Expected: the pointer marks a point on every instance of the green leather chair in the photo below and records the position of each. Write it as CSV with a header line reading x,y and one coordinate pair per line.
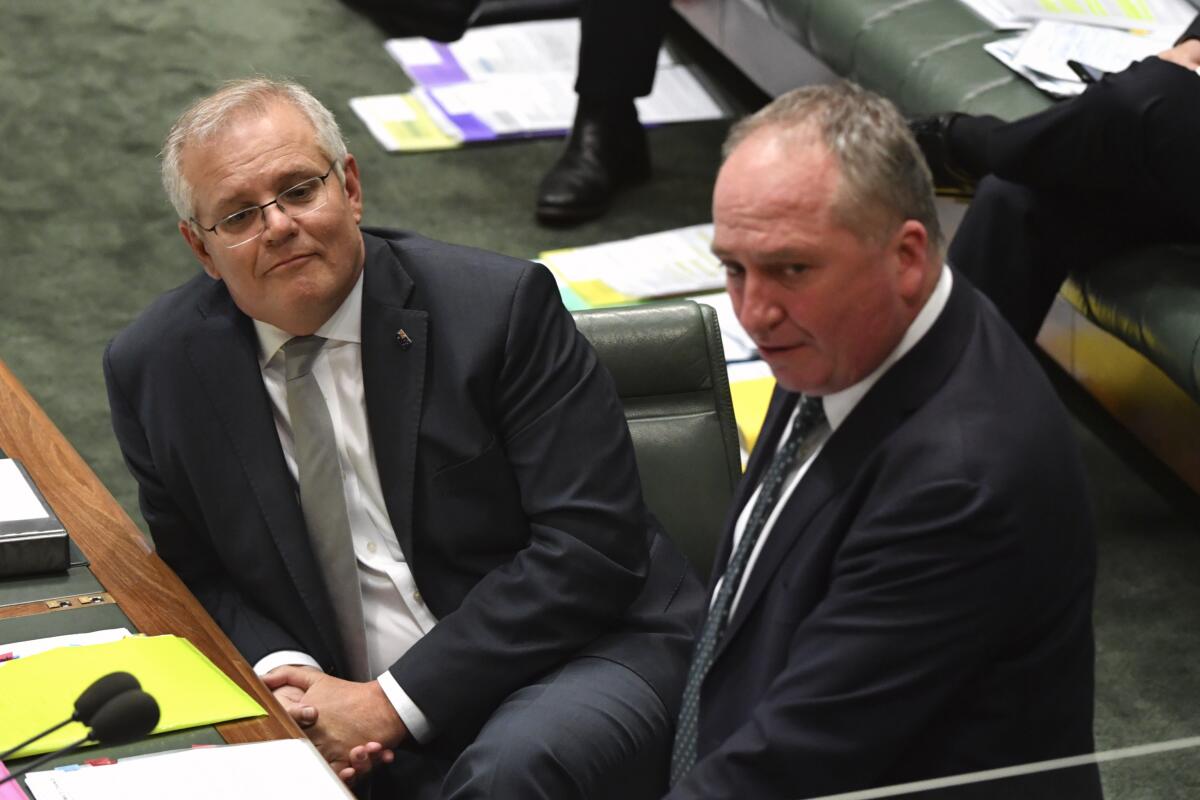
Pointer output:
x,y
667,361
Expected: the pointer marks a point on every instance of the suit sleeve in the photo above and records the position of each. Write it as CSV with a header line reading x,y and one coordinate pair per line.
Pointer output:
x,y
910,616
180,537
563,433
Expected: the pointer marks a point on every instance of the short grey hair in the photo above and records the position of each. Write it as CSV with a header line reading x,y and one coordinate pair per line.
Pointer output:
x,y
207,116
884,177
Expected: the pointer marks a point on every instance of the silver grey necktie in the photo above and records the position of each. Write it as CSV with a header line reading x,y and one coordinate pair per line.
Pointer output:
x,y
810,425
322,498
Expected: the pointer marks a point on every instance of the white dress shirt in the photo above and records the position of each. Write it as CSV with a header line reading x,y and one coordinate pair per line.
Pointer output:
x,y
394,613
838,406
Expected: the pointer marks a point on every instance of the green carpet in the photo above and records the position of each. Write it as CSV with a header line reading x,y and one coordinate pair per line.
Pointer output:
x,y
87,91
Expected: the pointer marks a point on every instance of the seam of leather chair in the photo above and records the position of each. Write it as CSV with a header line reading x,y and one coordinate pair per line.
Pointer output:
x,y
722,397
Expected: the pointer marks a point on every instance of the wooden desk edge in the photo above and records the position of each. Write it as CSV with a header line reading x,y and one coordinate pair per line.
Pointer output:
x,y
150,594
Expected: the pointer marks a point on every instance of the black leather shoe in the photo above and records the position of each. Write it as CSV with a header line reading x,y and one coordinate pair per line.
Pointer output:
x,y
607,151
949,176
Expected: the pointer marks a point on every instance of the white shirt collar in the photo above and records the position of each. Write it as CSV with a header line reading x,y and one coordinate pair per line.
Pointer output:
x,y
344,326
838,405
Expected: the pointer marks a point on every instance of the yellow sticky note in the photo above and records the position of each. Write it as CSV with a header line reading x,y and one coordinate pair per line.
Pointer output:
x,y
418,132
598,293
750,401
39,691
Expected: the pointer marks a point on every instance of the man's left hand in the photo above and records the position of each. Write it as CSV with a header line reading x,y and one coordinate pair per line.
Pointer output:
x,y
356,725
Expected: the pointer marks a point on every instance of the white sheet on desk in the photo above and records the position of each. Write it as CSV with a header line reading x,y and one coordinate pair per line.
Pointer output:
x,y
34,646
288,768
1005,51
17,500
737,344
1046,48
1164,15
997,13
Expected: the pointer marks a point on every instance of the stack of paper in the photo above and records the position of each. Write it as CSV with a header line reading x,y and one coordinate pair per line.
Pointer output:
x,y
1106,35
506,81
666,264
39,691
290,768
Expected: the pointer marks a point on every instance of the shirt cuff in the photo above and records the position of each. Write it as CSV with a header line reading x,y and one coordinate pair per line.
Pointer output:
x,y
412,717
284,658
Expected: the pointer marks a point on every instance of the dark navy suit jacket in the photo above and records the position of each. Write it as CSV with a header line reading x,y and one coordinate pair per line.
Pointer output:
x,y
922,606
504,457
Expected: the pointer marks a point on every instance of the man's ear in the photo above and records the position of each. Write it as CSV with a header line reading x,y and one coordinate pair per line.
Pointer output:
x,y
911,249
353,186
194,240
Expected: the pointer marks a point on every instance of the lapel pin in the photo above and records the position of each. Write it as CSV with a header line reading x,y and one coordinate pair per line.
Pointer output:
x,y
403,339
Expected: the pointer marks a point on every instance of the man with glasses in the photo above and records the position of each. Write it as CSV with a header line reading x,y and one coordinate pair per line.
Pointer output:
x,y
397,477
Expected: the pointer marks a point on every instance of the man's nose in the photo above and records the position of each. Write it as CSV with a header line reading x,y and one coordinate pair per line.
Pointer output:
x,y
760,310
276,223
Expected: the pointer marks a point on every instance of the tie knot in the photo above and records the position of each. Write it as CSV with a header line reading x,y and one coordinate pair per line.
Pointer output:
x,y
810,415
299,353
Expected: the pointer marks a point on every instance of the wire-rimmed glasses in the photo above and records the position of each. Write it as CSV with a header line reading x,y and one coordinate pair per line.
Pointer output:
x,y
246,225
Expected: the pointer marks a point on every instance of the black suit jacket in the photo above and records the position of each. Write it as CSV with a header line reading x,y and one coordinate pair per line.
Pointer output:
x,y
504,457
922,607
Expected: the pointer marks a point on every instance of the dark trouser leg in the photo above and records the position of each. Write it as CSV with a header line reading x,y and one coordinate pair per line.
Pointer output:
x,y
591,730
619,46
1131,137
1017,246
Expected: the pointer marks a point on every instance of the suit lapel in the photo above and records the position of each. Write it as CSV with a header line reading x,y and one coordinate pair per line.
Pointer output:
x,y
904,388
223,351
394,347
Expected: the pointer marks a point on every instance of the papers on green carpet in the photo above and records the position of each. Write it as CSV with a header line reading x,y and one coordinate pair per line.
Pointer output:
x,y
39,691
507,81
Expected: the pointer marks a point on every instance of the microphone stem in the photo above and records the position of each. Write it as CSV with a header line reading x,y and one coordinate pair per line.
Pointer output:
x,y
31,739
44,759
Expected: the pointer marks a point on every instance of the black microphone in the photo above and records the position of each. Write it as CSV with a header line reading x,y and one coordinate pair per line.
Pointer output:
x,y
93,698
125,718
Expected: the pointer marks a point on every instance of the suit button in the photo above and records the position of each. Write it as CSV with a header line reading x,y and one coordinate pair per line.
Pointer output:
x,y
371,547
417,597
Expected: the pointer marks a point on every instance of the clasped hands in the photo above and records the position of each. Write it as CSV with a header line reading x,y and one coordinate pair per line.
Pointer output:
x,y
353,725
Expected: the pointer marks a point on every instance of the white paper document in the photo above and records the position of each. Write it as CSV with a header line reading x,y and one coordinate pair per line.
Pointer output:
x,y
289,768
997,14
1155,15
491,50
32,647
669,263
737,344
17,498
525,103
1048,46
1005,51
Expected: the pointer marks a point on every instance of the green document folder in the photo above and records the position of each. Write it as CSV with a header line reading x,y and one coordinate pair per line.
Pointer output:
x,y
39,691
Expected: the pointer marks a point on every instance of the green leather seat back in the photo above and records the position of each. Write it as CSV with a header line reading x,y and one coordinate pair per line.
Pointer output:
x,y
926,55
669,368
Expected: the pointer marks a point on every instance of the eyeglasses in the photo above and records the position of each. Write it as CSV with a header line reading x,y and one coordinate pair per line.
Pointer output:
x,y
243,227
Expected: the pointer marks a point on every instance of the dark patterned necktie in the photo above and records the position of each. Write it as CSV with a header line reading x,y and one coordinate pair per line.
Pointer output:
x,y
808,430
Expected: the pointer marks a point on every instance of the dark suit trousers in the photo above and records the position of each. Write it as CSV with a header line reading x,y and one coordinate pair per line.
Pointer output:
x,y
618,51
1110,170
591,729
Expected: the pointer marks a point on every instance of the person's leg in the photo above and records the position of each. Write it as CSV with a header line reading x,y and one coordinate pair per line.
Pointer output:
x,y
590,730
607,148
1016,245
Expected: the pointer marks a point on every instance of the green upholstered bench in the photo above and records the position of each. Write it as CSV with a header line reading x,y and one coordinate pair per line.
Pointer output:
x,y
927,56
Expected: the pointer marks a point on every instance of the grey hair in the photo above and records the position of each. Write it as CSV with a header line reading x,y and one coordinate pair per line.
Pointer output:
x,y
207,116
884,177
